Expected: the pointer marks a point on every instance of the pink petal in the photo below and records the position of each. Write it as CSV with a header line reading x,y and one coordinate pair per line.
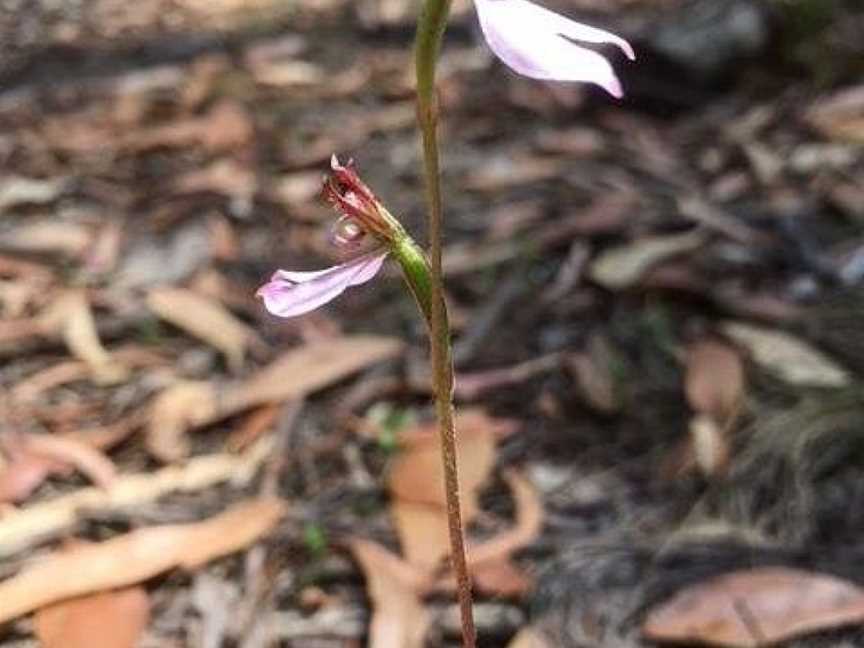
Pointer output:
x,y
531,41
290,293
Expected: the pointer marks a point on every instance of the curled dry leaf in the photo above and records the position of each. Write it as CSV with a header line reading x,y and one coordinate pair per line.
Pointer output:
x,y
21,528
98,468
791,359
205,318
491,562
114,619
714,379
179,408
71,317
755,608
295,374
395,587
622,267
32,458
416,483
135,557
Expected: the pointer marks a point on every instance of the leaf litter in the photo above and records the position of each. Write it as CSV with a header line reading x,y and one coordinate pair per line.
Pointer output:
x,y
115,182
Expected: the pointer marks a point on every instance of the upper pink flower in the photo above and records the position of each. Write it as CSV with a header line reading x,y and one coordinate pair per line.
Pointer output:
x,y
538,43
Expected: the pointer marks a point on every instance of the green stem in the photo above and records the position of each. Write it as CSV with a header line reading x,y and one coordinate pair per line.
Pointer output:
x,y
430,29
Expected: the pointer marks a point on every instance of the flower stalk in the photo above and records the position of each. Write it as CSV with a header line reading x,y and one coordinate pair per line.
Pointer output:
x,y
430,29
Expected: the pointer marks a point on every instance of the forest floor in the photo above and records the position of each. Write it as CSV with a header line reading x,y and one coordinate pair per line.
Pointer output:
x,y
657,304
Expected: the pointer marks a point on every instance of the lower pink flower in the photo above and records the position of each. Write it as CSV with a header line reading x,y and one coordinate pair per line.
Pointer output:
x,y
290,293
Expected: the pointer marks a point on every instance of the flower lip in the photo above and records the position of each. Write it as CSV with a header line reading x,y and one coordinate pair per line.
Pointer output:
x,y
291,293
542,44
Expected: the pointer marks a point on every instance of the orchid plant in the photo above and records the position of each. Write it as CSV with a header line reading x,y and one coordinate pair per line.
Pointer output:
x,y
533,42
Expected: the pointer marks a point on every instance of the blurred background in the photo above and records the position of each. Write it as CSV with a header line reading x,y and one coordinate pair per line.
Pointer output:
x,y
657,306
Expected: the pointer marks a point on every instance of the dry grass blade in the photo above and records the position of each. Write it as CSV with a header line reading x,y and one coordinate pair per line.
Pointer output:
x,y
134,557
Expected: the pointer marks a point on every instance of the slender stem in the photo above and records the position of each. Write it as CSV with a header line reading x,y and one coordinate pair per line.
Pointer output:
x,y
430,29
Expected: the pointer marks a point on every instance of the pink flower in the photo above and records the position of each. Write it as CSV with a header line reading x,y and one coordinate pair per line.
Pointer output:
x,y
539,43
289,293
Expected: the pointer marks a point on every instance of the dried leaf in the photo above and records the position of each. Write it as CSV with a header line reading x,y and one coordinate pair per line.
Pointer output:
x,y
416,483
177,409
114,619
21,528
755,608
98,468
842,115
528,637
491,562
295,374
48,237
622,267
204,318
70,316
17,190
790,358
709,445
399,619
135,557
714,381
309,368
23,475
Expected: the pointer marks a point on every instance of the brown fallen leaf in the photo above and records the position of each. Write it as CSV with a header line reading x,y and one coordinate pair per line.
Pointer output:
x,y
190,405
714,379
23,527
22,475
135,557
790,358
33,458
225,127
179,408
755,608
491,562
309,368
622,267
528,637
416,484
70,239
114,619
62,373
204,318
841,116
98,468
71,317
395,587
